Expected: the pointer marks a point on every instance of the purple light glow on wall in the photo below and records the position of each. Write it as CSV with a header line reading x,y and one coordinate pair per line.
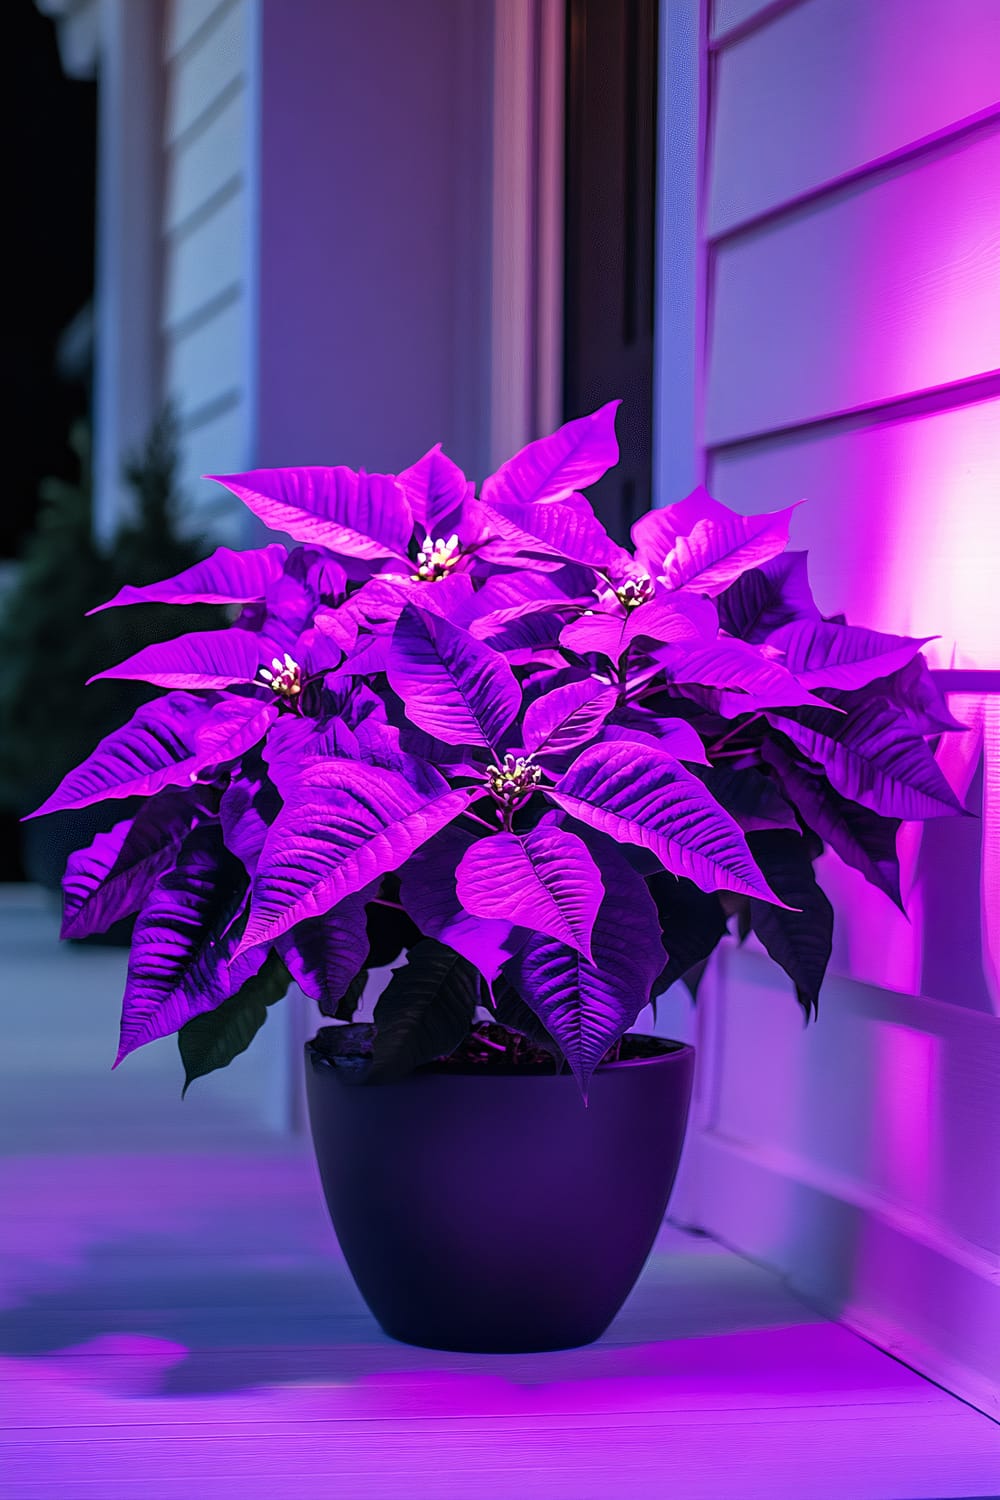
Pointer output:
x,y
906,1130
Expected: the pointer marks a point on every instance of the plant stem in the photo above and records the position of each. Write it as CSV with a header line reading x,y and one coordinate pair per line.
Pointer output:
x,y
477,819
623,676
732,733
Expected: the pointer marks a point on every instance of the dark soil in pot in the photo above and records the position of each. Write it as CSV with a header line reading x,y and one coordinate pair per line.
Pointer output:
x,y
488,1209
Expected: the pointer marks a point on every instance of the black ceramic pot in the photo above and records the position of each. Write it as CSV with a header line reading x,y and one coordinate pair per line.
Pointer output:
x,y
494,1212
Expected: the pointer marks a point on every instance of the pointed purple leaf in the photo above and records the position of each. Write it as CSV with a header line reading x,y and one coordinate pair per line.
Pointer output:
x,y
679,738
246,812
554,467
360,515
113,876
325,954
201,659
841,656
644,796
296,742
874,756
227,577
737,667
545,879
611,634
233,726
862,839
568,716
585,1007
764,598
914,690
156,748
429,895
343,824
436,490
184,941
339,625
452,685
750,797
568,584
561,532
702,546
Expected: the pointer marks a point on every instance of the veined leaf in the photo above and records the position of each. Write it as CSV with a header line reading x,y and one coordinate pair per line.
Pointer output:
x,y
737,668
342,825
183,959
692,922
646,797
554,467
353,513
798,939
156,748
324,954
202,659
563,532
873,756
841,656
765,598
452,686
585,1006
227,577
679,738
425,1011
428,892
545,880
702,546
212,1039
688,621
862,839
112,878
436,490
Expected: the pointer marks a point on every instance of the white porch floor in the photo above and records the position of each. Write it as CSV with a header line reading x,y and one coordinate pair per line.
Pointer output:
x,y
175,1320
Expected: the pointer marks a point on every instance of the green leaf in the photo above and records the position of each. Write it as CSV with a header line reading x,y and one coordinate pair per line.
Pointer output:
x,y
800,941
692,922
214,1038
425,1010
351,998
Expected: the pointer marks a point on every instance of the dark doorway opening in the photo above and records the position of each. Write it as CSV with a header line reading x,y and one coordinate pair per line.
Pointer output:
x,y
611,68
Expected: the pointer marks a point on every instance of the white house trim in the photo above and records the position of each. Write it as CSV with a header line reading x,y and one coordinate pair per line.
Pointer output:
x,y
127,375
527,238
679,324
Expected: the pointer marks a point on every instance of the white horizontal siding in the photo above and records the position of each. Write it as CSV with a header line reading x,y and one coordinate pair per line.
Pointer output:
x,y
902,521
205,228
207,71
728,15
186,18
206,363
866,297
863,1177
869,78
216,446
206,263
207,165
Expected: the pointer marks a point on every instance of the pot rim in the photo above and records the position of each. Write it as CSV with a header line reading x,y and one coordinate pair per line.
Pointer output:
x,y
430,1070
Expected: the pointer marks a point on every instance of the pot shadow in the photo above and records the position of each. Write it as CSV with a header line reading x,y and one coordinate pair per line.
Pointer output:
x,y
206,1325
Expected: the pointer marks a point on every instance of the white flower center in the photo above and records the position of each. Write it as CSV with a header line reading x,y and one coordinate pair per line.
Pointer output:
x,y
285,679
436,559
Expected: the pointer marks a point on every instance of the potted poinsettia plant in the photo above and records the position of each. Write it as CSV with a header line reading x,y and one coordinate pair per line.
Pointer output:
x,y
549,772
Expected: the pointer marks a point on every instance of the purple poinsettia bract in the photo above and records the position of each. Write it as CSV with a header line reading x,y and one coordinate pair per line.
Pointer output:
x,y
479,725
